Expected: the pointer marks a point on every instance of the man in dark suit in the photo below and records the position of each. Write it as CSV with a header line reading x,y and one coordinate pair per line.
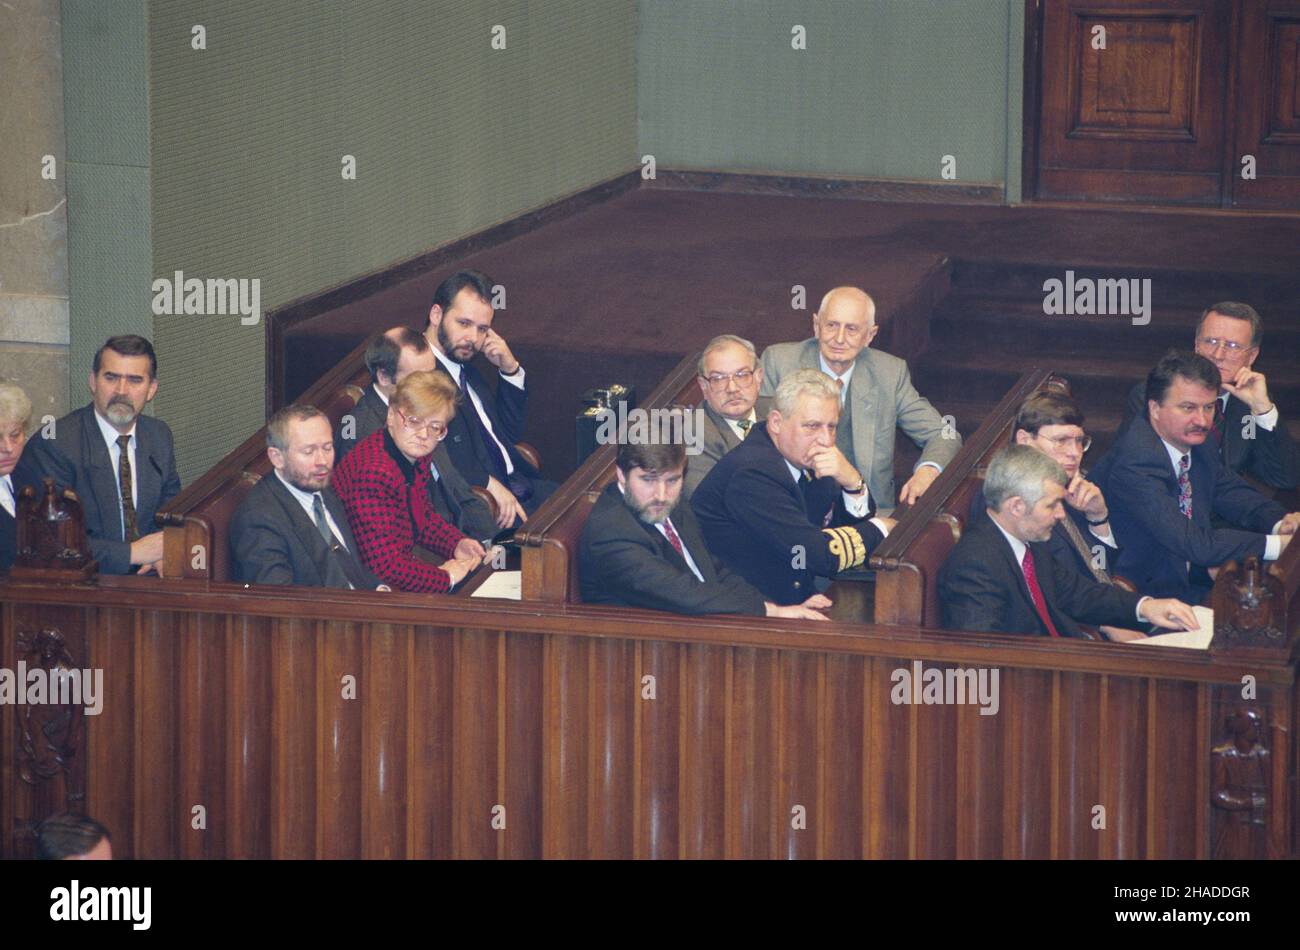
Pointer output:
x,y
1083,539
391,356
729,378
291,528
1247,433
1165,482
15,416
641,548
1002,576
118,461
484,432
785,507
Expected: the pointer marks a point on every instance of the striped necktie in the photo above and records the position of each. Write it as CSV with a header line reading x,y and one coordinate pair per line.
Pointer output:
x,y
1081,545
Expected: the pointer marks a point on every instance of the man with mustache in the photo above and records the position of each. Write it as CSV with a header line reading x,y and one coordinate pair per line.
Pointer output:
x,y
1166,482
876,396
642,548
292,528
729,379
1247,432
118,461
785,508
481,441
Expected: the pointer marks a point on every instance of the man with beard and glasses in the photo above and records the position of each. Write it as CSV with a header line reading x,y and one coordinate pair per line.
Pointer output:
x,y
481,441
1166,483
118,461
642,548
292,528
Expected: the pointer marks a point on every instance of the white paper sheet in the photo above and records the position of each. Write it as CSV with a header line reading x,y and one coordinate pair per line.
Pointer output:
x,y
507,585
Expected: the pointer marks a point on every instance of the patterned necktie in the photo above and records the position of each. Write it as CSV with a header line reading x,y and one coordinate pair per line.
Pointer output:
x,y
743,425
495,460
1184,486
1036,592
673,539
124,482
1081,545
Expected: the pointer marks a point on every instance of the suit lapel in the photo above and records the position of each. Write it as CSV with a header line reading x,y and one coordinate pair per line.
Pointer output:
x,y
103,479
148,478
862,388
726,434
1016,571
693,541
305,529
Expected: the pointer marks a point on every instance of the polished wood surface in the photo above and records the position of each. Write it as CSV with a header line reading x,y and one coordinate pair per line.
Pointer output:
x,y
763,738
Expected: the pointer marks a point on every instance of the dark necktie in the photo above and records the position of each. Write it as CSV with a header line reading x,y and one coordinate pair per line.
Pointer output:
x,y
1184,486
322,524
124,482
495,460
1036,592
1217,428
1081,545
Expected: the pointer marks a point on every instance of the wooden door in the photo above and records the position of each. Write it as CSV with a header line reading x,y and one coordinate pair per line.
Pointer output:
x,y
1267,106
1133,97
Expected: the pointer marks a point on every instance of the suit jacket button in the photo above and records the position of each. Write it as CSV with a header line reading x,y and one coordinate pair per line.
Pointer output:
x,y
796,585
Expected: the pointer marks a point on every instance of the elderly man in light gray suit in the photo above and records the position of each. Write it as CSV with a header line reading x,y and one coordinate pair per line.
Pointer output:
x,y
729,379
876,390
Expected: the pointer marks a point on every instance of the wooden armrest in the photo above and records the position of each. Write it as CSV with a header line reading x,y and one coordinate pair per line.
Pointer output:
x,y
1123,583
487,499
529,454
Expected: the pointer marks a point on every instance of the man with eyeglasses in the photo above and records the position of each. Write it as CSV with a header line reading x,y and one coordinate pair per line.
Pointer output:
x,y
729,378
291,527
1247,432
391,356
383,483
876,396
1053,424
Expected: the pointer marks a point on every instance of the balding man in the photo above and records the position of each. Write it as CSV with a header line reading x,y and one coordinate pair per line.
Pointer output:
x,y
391,356
729,378
876,393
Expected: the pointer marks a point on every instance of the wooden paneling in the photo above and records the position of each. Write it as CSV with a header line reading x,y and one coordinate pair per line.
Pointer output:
x,y
1141,119
1268,106
762,738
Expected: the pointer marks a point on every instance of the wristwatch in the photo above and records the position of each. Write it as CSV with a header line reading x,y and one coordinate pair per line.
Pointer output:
x,y
862,486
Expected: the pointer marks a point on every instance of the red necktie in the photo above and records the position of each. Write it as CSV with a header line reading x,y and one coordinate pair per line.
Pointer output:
x,y
675,541
1036,592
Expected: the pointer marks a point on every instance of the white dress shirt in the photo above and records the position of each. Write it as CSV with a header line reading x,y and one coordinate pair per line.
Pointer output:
x,y
516,380
115,457
856,505
7,499
1272,541
1018,548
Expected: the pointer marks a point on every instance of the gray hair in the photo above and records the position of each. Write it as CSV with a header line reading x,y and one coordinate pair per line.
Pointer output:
x,y
806,382
14,404
726,339
1020,470
277,428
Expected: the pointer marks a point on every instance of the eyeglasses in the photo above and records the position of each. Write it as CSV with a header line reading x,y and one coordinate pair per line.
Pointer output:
x,y
415,426
1213,343
718,381
1084,442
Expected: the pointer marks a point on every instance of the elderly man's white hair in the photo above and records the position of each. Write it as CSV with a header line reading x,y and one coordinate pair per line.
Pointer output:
x,y
806,382
856,293
14,404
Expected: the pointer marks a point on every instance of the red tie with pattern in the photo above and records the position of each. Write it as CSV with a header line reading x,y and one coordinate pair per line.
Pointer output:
x,y
1036,592
675,541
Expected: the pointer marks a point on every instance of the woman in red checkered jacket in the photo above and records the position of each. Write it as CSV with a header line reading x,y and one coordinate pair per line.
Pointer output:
x,y
384,484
